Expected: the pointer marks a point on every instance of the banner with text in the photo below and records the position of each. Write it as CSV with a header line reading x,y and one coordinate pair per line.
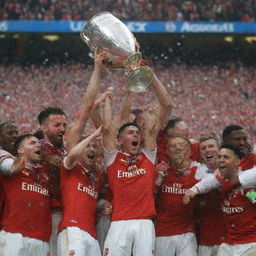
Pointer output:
x,y
134,26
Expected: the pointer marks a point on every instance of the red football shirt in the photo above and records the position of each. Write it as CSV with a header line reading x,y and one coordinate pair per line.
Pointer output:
x,y
54,173
239,216
248,162
211,223
174,217
132,182
27,207
79,192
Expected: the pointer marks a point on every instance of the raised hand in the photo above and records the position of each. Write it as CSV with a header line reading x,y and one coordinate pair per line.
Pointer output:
x,y
18,165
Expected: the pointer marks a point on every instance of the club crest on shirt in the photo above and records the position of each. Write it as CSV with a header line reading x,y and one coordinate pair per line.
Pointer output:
x,y
26,172
106,252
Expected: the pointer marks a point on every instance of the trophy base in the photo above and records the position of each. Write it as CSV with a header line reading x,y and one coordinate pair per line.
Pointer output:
x,y
140,79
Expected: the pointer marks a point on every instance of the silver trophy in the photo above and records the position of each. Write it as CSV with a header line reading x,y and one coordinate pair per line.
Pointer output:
x,y
107,33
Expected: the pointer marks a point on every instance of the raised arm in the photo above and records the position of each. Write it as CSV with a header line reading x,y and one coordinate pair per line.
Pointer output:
x,y
124,111
152,126
108,131
75,132
111,124
95,113
165,101
78,149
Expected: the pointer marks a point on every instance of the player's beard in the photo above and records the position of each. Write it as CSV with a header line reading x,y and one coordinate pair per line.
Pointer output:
x,y
56,140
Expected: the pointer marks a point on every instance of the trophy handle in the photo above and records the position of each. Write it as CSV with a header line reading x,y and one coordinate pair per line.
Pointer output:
x,y
84,38
140,79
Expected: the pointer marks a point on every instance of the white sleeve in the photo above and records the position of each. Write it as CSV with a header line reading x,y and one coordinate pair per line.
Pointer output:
x,y
202,171
68,167
248,178
151,155
206,184
109,157
5,166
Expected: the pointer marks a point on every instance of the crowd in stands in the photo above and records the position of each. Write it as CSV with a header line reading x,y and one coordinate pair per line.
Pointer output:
x,y
208,98
176,10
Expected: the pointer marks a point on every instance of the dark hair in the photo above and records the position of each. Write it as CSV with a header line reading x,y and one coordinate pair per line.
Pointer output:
x,y
136,111
6,124
229,129
172,122
39,134
234,149
43,115
122,128
19,140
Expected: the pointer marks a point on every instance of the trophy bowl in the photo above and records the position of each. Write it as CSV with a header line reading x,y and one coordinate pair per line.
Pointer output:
x,y
108,34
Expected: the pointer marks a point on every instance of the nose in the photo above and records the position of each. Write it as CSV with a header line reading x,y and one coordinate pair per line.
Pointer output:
x,y
63,128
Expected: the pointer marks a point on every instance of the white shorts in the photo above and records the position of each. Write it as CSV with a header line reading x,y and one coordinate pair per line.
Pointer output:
x,y
130,237
56,218
237,249
15,244
74,241
208,250
179,245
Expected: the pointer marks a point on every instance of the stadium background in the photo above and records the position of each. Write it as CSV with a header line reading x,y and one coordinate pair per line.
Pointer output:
x,y
209,71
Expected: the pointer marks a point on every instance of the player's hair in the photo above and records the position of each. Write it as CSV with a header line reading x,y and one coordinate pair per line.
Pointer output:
x,y
43,115
122,128
178,136
39,134
229,129
208,137
136,111
234,149
172,122
19,140
6,124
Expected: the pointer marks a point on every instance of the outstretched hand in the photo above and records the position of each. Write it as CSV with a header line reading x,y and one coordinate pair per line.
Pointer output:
x,y
188,196
104,207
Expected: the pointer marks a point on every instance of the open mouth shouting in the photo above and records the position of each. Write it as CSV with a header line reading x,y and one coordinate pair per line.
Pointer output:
x,y
135,143
91,156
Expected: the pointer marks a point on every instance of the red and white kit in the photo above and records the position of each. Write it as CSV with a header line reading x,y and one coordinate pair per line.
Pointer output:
x,y
175,222
132,182
79,191
240,222
26,208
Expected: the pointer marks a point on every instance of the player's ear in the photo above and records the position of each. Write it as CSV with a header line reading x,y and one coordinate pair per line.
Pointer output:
x,y
20,151
118,141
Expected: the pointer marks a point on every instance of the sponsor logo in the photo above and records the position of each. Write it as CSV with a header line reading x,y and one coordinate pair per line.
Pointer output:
x,y
137,26
170,26
106,252
207,27
230,210
76,26
4,26
35,188
88,190
131,172
175,189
